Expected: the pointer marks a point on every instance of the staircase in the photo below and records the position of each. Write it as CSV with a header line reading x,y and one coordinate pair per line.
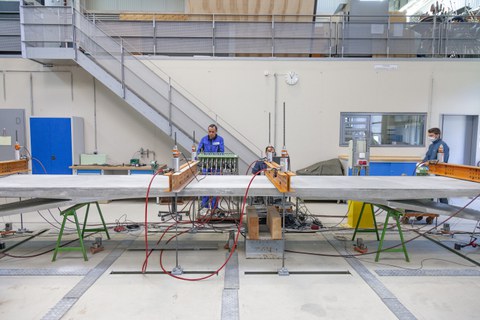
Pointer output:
x,y
51,34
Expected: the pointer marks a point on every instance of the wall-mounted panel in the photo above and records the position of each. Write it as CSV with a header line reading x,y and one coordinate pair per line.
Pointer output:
x,y
12,124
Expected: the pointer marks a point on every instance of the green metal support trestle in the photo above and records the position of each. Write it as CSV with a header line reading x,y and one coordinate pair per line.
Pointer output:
x,y
72,212
397,215
375,229
95,229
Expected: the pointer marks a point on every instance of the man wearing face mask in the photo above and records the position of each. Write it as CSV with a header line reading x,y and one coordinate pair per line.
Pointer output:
x,y
260,165
437,145
435,150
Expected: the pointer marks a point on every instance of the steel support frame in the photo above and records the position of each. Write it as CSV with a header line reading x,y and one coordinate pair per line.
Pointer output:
x,y
72,212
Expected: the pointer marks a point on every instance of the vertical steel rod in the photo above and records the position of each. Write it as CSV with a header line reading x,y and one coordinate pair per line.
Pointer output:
x,y
175,213
170,106
284,125
269,129
284,199
122,50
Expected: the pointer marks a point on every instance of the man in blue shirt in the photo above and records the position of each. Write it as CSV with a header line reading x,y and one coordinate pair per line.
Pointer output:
x,y
212,142
432,153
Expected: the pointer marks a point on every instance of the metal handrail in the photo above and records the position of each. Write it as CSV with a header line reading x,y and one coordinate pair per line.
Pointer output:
x,y
184,91
176,85
336,41
114,58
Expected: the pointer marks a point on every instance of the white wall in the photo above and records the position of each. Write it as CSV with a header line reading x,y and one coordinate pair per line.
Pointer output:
x,y
239,92
69,91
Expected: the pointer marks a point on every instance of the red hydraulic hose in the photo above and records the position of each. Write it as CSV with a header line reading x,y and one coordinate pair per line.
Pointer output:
x,y
231,251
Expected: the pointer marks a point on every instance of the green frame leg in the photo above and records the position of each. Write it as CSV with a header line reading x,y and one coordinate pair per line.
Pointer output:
x,y
397,216
105,229
72,211
360,219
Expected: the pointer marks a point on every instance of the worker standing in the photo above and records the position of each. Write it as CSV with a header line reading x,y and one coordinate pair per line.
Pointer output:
x,y
438,149
212,142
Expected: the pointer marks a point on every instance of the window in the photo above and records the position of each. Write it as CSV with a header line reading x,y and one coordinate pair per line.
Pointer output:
x,y
384,129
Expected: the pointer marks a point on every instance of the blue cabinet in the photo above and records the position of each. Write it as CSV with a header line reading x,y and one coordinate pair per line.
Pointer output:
x,y
56,144
390,169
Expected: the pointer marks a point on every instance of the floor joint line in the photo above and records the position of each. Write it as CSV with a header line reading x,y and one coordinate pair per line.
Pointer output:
x,y
387,297
71,297
230,304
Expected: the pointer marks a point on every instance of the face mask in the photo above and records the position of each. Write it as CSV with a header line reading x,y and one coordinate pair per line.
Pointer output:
x,y
431,138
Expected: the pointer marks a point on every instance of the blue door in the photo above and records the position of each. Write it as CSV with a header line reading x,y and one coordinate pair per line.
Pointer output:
x,y
51,141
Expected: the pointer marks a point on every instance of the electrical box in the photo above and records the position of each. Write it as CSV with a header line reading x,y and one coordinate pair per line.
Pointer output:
x,y
218,163
93,159
12,130
358,153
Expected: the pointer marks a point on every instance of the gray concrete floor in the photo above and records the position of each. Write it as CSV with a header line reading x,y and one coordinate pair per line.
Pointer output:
x,y
311,295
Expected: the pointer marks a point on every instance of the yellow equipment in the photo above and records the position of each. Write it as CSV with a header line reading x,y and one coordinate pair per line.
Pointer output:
x,y
354,208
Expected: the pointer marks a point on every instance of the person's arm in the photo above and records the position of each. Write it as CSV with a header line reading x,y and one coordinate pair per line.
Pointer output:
x,y
428,154
200,146
446,152
221,146
256,167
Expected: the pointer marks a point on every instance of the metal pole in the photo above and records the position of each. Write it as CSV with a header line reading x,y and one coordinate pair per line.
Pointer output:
x,y
269,129
154,35
275,114
273,36
170,105
95,129
31,96
388,37
22,229
213,35
433,34
446,39
178,269
283,271
284,125
74,35
330,28
123,68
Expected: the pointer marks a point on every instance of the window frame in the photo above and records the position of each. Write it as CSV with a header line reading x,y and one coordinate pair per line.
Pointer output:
x,y
369,123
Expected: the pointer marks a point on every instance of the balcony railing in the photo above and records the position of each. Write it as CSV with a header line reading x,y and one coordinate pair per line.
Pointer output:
x,y
287,36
